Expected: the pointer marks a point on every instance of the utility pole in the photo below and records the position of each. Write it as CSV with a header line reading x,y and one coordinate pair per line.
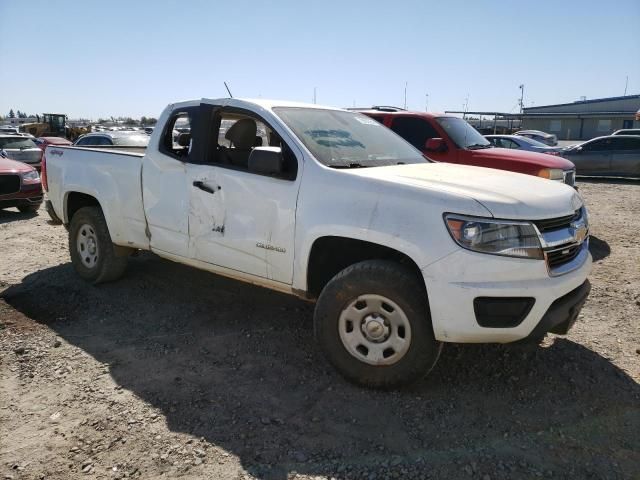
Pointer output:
x,y
405,95
426,102
314,94
521,87
626,84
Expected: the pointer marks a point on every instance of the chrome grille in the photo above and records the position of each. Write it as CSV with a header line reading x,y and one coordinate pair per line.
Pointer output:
x,y
9,184
557,223
562,255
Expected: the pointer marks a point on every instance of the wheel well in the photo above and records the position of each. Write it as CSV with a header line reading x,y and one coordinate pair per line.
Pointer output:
x,y
330,255
77,200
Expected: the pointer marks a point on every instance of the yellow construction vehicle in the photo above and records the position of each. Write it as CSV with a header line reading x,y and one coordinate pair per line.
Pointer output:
x,y
53,125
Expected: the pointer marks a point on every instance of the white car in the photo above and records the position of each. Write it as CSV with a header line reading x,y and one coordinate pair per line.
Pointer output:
x,y
400,254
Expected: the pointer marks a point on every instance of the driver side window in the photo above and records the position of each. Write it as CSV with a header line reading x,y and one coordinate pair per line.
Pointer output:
x,y
238,134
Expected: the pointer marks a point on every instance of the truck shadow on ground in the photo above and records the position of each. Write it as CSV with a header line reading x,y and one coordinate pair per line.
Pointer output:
x,y
14,215
599,248
238,366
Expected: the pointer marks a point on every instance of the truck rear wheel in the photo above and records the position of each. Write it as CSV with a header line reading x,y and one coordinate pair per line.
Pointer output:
x,y
93,254
372,322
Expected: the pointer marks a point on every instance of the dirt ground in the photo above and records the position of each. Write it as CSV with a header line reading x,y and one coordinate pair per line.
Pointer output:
x,y
176,373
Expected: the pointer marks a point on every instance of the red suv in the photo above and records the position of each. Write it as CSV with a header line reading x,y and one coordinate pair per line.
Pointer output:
x,y
445,138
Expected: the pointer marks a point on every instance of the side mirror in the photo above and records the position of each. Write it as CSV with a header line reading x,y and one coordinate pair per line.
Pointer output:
x,y
435,145
266,160
578,149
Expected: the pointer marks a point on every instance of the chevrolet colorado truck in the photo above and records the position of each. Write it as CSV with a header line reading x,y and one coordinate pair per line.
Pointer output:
x,y
446,138
400,254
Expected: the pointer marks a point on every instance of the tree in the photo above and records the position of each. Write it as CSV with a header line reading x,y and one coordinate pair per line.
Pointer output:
x,y
11,114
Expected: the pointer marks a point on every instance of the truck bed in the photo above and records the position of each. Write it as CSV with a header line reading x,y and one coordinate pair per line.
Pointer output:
x,y
112,175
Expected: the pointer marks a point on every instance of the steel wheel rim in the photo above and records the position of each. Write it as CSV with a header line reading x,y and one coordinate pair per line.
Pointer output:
x,y
375,330
87,245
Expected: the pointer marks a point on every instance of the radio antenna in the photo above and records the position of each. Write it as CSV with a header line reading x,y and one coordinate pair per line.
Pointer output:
x,y
227,87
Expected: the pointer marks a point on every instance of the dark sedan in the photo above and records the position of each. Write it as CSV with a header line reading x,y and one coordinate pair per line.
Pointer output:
x,y
612,156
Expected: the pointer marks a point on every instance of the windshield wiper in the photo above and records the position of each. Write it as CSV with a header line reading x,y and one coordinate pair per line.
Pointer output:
x,y
478,146
349,165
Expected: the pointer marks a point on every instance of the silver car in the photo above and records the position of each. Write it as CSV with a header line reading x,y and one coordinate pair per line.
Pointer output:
x,y
611,156
627,131
113,139
22,149
546,138
521,143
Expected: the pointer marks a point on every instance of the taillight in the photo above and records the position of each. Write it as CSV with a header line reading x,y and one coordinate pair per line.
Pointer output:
x,y
43,171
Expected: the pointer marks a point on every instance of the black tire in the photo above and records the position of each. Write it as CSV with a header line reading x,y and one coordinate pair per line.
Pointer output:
x,y
29,208
394,282
108,266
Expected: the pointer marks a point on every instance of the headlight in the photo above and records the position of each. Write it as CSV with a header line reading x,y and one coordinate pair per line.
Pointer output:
x,y
30,178
551,173
497,237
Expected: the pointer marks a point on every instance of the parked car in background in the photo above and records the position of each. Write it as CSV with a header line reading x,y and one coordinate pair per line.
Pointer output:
x,y
21,148
43,142
521,143
610,156
8,129
543,137
627,131
445,138
114,139
19,185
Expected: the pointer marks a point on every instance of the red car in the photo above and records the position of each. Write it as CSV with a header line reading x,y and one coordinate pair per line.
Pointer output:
x,y
19,186
43,142
445,138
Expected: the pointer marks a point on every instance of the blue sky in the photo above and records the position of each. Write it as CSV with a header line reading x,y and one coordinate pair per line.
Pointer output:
x,y
100,58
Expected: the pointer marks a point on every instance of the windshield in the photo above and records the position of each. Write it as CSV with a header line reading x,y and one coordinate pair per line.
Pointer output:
x,y
132,140
342,139
532,142
17,142
462,134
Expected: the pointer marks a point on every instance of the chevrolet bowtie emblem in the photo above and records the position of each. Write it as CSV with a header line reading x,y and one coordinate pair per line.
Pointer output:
x,y
579,231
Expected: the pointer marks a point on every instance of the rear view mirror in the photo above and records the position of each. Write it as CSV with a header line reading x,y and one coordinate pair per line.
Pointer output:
x,y
266,160
435,145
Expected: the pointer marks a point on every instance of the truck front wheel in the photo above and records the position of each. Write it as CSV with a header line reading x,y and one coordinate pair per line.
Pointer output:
x,y
372,322
93,254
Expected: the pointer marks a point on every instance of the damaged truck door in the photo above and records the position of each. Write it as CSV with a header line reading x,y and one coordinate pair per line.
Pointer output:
x,y
242,218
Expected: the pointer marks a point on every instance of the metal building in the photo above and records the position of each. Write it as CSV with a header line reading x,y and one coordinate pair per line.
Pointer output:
x,y
584,119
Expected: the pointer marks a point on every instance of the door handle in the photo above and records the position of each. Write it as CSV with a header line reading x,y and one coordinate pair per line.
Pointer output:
x,y
202,186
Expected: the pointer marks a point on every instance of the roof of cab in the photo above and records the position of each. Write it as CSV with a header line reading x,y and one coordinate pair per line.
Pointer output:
x,y
264,103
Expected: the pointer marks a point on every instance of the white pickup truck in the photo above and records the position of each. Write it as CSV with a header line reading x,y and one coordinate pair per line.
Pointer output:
x,y
401,254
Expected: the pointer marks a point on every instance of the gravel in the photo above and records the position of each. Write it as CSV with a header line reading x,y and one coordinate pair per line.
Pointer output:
x,y
176,373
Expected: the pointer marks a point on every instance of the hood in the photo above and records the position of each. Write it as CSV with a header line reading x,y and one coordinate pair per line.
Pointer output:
x,y
506,195
11,166
540,160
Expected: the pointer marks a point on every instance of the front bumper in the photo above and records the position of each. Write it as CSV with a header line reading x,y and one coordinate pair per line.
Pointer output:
x,y
30,196
454,282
